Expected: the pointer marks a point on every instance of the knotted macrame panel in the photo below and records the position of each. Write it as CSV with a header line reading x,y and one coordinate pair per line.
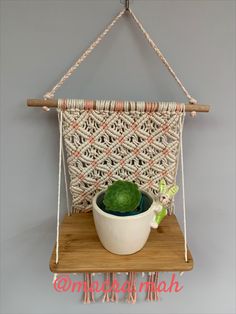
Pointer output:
x,y
108,140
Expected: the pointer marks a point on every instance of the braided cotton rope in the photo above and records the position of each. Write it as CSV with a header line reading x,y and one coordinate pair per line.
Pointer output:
x,y
83,56
60,117
183,193
64,171
163,59
61,160
51,93
66,180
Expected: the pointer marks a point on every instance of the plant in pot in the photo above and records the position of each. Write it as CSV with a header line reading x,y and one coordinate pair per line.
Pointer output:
x,y
123,216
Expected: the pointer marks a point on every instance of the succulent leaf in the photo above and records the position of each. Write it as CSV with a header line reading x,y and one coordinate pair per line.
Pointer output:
x,y
122,196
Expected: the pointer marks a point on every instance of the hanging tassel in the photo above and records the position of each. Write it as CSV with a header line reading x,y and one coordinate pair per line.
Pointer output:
x,y
152,294
150,286
132,294
106,297
129,296
156,277
88,289
91,287
148,297
114,294
134,290
86,292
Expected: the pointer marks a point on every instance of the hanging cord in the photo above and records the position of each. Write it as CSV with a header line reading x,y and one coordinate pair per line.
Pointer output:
x,y
83,56
64,172
61,160
183,189
163,59
51,93
66,180
59,185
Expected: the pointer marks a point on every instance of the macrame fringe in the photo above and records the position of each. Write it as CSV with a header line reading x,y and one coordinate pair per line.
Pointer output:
x,y
152,294
107,286
88,289
111,284
132,291
114,293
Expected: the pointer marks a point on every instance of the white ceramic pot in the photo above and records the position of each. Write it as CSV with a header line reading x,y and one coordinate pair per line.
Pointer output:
x,y
123,235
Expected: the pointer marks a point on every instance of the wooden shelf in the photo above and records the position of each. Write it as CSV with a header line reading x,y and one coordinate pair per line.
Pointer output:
x,y
81,251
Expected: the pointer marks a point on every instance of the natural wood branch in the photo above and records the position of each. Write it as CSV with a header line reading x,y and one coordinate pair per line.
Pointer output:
x,y
52,103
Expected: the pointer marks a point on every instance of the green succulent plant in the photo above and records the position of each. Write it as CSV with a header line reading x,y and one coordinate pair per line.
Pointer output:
x,y
122,196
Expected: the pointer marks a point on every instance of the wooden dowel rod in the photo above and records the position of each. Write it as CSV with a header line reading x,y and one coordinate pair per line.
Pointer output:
x,y
52,103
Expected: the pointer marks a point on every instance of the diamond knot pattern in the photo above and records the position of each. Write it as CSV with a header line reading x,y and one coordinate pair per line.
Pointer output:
x,y
104,145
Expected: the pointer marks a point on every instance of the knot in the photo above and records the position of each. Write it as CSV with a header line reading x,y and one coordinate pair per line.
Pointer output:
x,y
45,108
192,100
48,96
193,114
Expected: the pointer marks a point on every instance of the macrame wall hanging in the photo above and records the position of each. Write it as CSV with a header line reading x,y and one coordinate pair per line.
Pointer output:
x,y
106,141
